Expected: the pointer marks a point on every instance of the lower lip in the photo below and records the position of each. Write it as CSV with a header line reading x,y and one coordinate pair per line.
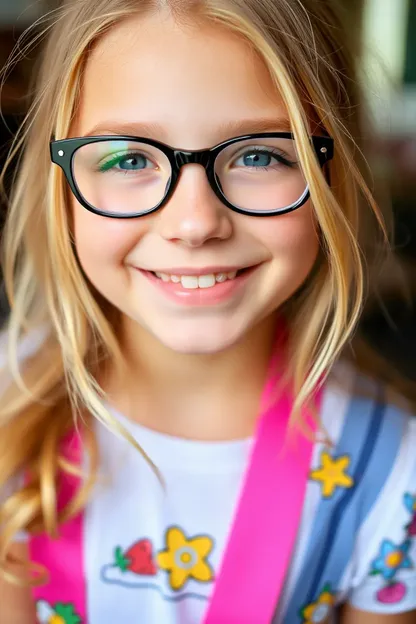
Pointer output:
x,y
220,293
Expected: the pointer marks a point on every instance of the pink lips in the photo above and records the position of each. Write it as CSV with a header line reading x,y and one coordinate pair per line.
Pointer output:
x,y
215,295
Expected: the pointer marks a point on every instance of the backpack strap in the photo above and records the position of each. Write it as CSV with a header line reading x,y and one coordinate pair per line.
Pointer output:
x,y
65,591
258,553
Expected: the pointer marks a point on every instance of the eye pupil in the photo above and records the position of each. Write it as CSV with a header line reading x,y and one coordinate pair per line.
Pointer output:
x,y
257,159
131,162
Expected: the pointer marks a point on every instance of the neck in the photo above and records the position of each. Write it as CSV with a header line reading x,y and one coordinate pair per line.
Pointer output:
x,y
208,396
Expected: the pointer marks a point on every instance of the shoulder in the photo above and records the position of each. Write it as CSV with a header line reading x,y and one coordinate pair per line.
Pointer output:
x,y
371,437
14,353
355,405
374,440
25,348
26,345
7,490
375,430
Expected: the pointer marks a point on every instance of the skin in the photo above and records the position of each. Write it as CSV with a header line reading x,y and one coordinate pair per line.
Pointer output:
x,y
193,91
16,604
191,85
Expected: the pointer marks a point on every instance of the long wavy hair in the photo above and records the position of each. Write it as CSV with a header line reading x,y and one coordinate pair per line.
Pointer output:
x,y
305,47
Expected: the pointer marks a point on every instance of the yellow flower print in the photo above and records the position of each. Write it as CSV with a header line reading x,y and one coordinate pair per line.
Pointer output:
x,y
331,474
320,610
185,558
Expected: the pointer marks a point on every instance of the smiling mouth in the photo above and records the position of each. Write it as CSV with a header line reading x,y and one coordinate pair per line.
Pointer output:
x,y
192,282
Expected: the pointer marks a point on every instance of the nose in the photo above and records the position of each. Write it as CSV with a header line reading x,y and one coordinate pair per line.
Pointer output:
x,y
194,215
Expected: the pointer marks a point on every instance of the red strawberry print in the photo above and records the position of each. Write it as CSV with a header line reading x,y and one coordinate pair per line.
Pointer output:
x,y
137,559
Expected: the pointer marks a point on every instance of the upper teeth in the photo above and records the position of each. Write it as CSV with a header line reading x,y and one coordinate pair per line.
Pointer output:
x,y
197,281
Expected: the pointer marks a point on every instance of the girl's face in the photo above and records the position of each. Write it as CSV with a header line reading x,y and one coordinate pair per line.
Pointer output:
x,y
191,89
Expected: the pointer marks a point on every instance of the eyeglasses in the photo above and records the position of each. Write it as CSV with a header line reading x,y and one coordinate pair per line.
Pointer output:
x,y
125,177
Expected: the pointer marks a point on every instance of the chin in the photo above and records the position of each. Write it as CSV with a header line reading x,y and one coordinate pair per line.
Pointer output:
x,y
197,342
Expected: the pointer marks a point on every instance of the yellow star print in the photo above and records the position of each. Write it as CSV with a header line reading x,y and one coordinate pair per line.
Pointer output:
x,y
331,474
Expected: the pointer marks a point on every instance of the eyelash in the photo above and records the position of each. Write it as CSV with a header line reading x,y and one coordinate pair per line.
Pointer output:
x,y
109,164
269,151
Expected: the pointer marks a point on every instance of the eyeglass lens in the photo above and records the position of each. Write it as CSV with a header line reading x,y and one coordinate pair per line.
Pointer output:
x,y
130,177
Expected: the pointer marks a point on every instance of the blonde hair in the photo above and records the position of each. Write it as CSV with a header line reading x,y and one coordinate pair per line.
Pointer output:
x,y
302,43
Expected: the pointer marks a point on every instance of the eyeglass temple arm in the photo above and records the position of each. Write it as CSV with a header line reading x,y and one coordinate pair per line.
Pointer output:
x,y
327,172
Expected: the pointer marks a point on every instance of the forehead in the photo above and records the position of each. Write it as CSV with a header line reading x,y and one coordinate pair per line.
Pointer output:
x,y
187,81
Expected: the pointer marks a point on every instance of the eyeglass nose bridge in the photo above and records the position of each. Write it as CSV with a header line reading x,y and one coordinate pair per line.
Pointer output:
x,y
200,157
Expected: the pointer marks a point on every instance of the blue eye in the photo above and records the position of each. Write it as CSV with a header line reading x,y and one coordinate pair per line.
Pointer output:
x,y
261,158
133,162
256,159
125,162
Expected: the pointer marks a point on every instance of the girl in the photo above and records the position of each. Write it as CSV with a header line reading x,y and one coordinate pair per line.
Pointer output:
x,y
184,255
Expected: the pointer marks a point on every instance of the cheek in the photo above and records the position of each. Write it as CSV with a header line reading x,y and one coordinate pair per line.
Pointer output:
x,y
101,242
292,238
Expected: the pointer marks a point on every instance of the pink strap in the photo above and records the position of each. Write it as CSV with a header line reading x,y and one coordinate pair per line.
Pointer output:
x,y
65,552
258,552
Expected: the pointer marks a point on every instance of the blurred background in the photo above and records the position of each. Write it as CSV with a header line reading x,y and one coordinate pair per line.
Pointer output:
x,y
385,35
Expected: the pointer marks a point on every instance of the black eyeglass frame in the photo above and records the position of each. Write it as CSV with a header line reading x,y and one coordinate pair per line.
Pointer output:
x,y
63,152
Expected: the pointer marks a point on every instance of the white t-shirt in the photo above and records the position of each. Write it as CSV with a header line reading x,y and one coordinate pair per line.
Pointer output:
x,y
151,555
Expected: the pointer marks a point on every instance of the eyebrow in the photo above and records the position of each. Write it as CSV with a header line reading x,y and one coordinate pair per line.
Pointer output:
x,y
223,131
